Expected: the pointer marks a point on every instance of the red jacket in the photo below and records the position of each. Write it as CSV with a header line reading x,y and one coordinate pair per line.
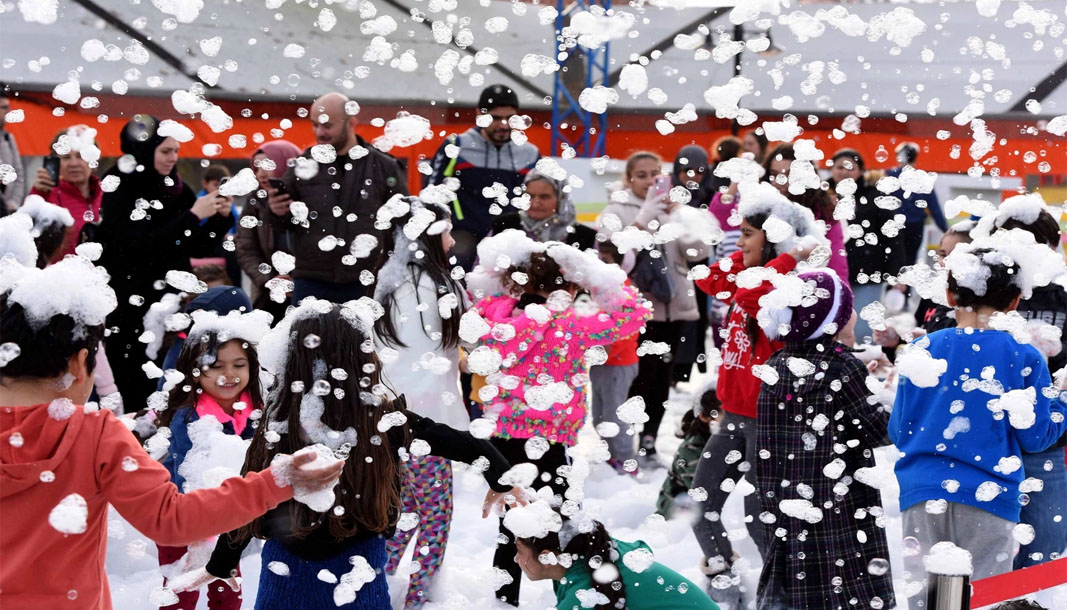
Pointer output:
x,y
96,457
67,196
737,387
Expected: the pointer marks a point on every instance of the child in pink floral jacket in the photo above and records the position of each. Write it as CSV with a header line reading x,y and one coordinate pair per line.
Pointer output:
x,y
533,340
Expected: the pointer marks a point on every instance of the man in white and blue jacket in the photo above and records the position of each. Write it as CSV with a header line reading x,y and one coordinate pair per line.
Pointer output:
x,y
480,157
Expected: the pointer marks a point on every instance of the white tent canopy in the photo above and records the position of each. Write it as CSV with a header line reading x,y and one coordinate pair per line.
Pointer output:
x,y
384,51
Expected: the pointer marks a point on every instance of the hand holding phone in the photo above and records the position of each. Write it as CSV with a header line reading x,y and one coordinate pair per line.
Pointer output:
x,y
279,199
661,184
51,165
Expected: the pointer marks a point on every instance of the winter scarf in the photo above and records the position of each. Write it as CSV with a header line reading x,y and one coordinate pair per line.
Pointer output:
x,y
553,228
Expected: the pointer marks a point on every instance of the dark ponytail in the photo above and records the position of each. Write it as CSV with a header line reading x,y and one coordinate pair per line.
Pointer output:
x,y
596,549
767,254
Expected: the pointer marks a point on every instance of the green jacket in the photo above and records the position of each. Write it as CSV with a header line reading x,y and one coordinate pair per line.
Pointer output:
x,y
656,588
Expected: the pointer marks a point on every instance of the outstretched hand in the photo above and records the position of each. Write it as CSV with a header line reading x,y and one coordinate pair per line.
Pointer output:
x,y
197,579
494,499
313,477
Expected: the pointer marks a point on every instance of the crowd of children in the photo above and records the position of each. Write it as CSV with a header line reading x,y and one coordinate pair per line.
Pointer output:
x,y
330,431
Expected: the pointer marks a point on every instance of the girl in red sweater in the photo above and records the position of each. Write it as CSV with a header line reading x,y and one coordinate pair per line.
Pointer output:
x,y
62,463
775,235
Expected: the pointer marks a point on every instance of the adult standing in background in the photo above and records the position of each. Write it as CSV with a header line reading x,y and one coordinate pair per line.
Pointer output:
x,y
915,206
692,171
78,190
873,256
341,197
551,215
258,241
479,157
756,143
152,224
11,194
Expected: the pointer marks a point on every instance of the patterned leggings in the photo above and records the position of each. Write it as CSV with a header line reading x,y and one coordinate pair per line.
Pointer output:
x,y
427,492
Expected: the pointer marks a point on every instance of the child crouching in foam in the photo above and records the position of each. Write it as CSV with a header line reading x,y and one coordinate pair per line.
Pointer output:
x,y
590,569
62,464
817,423
971,399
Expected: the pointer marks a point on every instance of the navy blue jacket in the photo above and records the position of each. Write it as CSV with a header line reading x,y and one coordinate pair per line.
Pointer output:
x,y
180,443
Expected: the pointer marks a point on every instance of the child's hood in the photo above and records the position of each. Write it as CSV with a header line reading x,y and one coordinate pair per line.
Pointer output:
x,y
34,440
529,331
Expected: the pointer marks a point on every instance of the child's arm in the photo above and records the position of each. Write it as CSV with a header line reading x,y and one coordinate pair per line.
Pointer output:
x,y
610,325
748,298
719,281
140,489
451,444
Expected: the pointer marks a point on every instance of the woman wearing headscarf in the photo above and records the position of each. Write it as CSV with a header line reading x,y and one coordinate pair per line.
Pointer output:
x,y
151,225
551,215
256,243
691,170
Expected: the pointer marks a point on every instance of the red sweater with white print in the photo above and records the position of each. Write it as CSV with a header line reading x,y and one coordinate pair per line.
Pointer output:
x,y
737,387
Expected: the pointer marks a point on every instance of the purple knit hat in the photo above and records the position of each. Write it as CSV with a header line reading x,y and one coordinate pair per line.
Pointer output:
x,y
823,310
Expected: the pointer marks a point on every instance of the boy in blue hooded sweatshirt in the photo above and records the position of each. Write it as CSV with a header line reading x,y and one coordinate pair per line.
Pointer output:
x,y
961,432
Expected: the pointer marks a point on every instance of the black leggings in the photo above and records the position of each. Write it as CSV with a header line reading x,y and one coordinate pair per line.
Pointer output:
x,y
514,449
655,373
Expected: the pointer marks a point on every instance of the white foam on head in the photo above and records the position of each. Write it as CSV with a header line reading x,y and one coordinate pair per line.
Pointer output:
x,y
763,199
1038,264
44,214
16,239
250,327
85,297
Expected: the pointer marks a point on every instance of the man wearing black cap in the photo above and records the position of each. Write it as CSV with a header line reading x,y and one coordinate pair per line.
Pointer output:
x,y
482,156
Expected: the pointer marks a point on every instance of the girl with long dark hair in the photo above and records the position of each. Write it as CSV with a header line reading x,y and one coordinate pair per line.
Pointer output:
x,y
423,305
328,392
777,169
776,234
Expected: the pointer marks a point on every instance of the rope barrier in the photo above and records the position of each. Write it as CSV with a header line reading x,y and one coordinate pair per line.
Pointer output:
x,y
1018,583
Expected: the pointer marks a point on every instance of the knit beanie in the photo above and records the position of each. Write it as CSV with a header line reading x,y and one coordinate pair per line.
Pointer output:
x,y
823,308
497,96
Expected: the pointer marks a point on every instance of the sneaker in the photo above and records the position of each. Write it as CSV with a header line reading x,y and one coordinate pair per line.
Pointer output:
x,y
722,586
649,461
629,467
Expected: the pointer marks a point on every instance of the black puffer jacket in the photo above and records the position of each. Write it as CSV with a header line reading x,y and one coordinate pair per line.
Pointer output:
x,y
869,250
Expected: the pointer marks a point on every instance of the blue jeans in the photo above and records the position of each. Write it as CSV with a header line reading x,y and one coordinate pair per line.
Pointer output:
x,y
1045,505
334,293
863,295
